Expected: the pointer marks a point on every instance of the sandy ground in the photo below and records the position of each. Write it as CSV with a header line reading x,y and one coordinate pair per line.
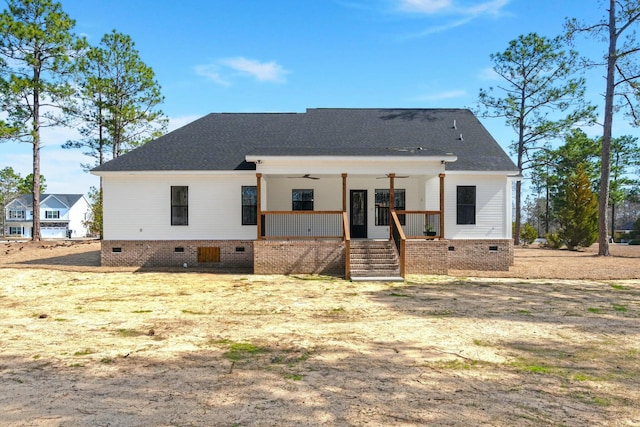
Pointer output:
x,y
555,341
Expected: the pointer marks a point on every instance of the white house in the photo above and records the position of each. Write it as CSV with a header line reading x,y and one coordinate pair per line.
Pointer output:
x,y
359,192
60,214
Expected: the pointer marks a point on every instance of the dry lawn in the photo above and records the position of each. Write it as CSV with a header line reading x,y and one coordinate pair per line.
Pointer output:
x,y
558,343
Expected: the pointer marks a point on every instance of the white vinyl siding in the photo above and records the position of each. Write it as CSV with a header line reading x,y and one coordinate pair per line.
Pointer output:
x,y
138,207
78,214
491,207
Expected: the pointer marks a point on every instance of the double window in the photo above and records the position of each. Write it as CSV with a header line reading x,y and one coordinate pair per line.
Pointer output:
x,y
382,205
302,200
466,204
52,214
15,214
249,205
179,205
15,231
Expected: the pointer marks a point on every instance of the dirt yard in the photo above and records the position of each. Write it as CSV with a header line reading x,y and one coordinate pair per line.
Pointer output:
x,y
554,341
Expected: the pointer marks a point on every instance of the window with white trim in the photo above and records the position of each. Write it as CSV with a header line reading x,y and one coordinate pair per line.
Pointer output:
x,y
52,214
16,214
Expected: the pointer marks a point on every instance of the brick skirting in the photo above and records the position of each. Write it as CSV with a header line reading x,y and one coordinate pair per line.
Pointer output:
x,y
483,255
305,256
426,256
234,254
299,257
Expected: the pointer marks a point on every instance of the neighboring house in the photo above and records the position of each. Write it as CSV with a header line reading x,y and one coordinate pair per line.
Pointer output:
x,y
355,192
624,233
60,214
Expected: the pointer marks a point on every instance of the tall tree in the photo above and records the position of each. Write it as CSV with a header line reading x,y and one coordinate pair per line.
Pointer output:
x,y
26,185
120,99
539,97
35,43
579,215
617,29
94,222
552,168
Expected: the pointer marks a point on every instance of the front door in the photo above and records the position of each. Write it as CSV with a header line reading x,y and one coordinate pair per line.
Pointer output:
x,y
358,223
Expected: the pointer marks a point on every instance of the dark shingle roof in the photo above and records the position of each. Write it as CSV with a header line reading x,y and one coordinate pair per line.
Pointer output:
x,y
221,141
67,199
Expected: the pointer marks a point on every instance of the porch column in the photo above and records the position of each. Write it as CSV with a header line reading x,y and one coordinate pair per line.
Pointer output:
x,y
392,202
344,192
441,205
259,204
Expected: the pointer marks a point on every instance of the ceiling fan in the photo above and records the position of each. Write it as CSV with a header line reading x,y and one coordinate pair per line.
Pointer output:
x,y
397,176
307,176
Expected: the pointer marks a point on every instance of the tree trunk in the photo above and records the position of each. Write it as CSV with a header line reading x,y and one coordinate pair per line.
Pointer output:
x,y
516,238
35,234
603,237
613,220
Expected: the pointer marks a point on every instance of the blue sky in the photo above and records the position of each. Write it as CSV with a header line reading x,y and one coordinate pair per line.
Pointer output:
x,y
289,55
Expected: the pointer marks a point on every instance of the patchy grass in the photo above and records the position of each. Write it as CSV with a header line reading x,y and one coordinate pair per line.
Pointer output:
x,y
620,308
435,350
129,333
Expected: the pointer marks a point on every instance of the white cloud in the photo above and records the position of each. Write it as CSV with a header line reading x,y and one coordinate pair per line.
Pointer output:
x,y
212,71
262,71
424,6
222,71
456,7
462,11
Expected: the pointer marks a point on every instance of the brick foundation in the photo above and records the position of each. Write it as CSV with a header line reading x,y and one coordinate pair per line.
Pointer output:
x,y
480,255
299,257
234,254
426,256
305,256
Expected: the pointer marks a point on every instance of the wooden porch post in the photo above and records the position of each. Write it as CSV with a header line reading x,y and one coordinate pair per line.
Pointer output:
x,y
259,204
344,192
441,205
392,202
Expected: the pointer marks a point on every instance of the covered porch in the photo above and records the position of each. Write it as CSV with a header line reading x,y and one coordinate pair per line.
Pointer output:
x,y
311,220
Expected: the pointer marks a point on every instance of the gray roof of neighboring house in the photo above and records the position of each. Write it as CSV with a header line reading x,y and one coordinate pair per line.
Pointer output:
x,y
221,141
67,199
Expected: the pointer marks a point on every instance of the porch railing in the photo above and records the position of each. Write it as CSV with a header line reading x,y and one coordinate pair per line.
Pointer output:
x,y
421,224
347,246
302,225
399,239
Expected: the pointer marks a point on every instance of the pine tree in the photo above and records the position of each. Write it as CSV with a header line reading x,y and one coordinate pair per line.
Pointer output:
x,y
36,44
579,216
538,97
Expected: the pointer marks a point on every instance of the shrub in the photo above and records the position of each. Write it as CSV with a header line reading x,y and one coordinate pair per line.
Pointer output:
x,y
634,242
528,233
554,241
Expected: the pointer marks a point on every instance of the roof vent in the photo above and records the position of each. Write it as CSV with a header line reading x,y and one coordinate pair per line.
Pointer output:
x,y
454,124
461,138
